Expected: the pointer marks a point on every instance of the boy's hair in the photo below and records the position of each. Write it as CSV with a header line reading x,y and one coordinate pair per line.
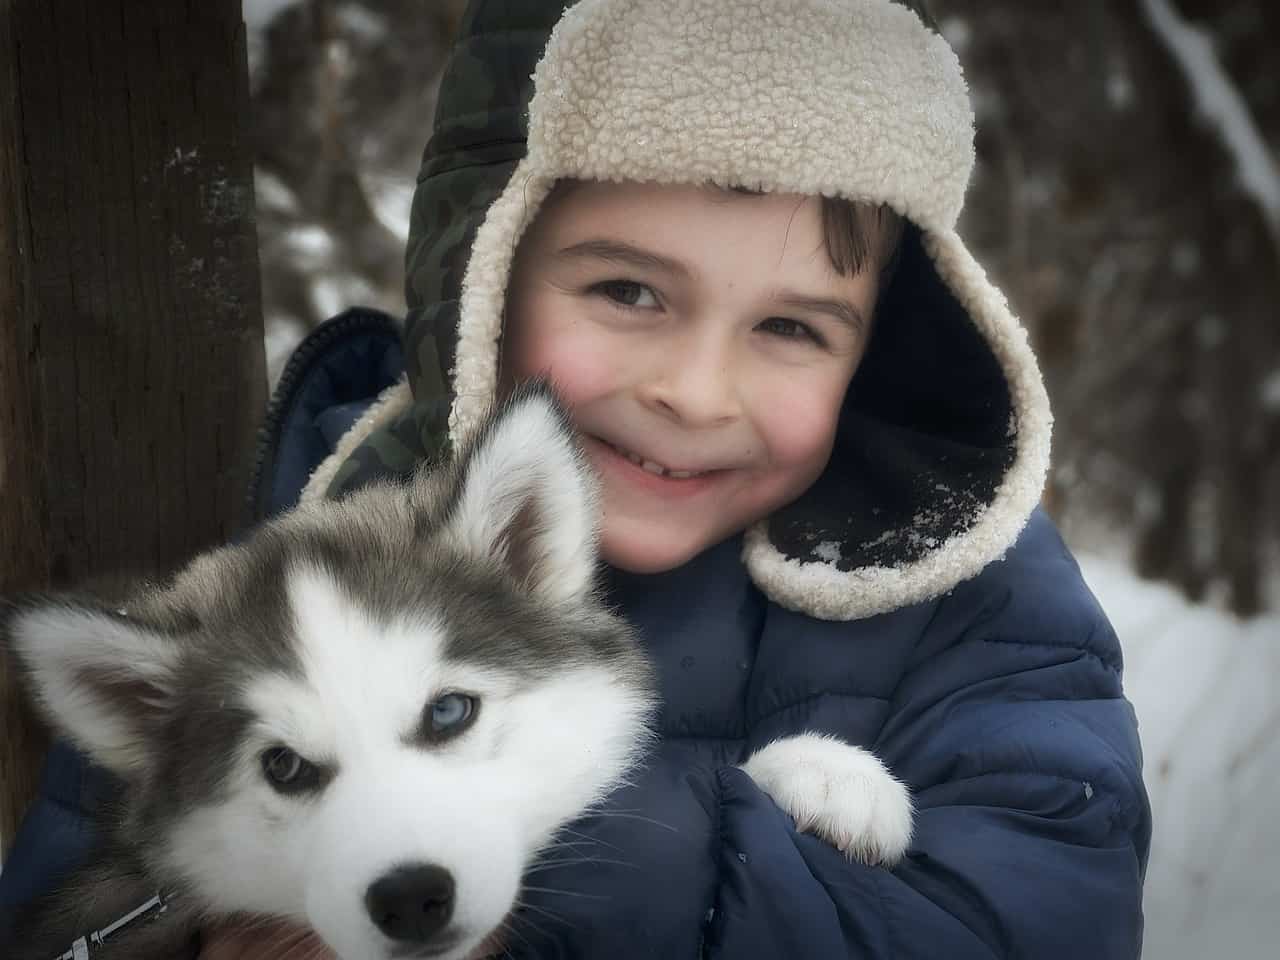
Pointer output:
x,y
857,235
848,237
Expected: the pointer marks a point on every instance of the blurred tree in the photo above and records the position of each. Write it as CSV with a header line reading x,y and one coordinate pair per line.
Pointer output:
x,y
344,93
131,363
1113,210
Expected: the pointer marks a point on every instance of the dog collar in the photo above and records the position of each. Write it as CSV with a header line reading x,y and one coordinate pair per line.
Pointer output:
x,y
86,946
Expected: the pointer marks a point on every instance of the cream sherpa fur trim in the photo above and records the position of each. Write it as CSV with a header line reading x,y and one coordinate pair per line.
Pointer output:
x,y
484,294
686,91
390,404
855,98
878,111
820,590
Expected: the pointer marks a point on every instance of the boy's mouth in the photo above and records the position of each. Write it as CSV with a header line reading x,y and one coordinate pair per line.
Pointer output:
x,y
650,466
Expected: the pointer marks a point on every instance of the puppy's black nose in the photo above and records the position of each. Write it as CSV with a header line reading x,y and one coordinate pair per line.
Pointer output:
x,y
412,903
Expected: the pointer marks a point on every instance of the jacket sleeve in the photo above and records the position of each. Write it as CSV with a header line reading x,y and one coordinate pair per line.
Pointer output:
x,y
1032,823
56,834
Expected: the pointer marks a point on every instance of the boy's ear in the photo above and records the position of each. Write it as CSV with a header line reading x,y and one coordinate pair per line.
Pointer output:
x,y
526,497
100,678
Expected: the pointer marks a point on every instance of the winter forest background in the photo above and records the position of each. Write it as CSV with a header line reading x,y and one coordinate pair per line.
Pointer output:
x,y
1127,200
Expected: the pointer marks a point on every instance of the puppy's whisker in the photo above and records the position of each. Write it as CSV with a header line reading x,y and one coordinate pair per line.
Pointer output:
x,y
623,815
579,861
550,915
567,893
517,918
585,838
508,927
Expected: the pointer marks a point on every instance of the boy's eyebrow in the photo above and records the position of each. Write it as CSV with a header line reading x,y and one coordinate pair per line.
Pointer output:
x,y
841,310
619,252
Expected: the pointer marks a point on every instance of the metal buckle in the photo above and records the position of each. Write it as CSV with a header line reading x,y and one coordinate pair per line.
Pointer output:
x,y
84,947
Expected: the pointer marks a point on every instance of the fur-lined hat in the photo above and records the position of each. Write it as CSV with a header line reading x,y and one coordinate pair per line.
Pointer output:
x,y
943,442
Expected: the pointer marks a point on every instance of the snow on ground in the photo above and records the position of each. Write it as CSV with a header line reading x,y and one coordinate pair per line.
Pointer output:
x,y
1206,688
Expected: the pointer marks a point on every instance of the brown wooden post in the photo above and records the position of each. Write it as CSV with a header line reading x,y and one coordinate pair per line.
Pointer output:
x,y
131,356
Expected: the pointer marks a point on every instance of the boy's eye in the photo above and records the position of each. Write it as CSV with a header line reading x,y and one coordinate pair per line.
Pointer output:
x,y
790,329
626,293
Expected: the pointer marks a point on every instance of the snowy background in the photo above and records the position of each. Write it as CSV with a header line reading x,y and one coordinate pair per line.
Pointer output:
x,y
1206,688
1127,200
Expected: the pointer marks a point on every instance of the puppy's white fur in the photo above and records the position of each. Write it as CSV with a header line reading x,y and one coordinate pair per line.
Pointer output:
x,y
359,686
839,792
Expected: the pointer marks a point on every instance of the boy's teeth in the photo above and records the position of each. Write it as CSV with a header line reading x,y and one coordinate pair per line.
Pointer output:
x,y
656,468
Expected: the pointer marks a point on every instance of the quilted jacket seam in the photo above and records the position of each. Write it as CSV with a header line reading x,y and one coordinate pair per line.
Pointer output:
x,y
844,694
1112,666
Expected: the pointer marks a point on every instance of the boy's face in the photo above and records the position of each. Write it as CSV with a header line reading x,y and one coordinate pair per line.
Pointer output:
x,y
700,332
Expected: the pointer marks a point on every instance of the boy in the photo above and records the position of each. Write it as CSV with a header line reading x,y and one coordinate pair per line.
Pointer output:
x,y
820,461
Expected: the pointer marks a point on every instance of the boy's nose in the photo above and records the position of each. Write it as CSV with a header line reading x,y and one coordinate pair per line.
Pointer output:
x,y
694,384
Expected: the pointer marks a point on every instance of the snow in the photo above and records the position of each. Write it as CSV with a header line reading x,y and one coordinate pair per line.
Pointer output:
x,y
311,246
828,551
366,24
257,15
283,334
1206,689
1120,93
392,200
272,194
1270,392
1222,107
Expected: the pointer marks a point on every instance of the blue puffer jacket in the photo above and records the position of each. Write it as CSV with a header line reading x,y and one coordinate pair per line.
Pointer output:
x,y
1000,704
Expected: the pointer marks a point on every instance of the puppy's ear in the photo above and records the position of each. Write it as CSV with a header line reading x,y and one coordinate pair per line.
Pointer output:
x,y
102,679
526,497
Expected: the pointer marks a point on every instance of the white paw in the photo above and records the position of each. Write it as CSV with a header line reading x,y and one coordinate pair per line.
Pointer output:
x,y
838,792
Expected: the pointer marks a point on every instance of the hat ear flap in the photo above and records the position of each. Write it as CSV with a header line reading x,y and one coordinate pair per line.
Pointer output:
x,y
525,497
103,680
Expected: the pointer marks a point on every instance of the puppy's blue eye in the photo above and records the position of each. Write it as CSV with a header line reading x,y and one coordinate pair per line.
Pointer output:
x,y
451,713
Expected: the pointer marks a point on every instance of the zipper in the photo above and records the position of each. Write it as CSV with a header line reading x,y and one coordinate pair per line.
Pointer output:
x,y
355,320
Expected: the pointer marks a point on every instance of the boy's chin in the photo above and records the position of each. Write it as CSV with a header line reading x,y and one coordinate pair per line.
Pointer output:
x,y
646,555
640,551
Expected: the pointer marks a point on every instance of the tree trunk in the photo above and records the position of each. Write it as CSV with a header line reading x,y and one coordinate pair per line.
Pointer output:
x,y
131,352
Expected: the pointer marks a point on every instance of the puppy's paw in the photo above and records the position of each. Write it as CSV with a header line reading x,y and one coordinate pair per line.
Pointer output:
x,y
838,792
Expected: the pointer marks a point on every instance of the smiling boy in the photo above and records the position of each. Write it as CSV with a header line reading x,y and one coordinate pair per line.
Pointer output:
x,y
726,230
703,341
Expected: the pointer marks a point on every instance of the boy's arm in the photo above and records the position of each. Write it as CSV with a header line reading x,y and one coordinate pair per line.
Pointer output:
x,y
1032,823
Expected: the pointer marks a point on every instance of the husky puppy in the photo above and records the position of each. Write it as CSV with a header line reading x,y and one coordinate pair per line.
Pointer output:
x,y
368,717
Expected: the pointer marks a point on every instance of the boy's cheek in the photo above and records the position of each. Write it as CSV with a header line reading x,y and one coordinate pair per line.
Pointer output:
x,y
581,372
799,431
582,364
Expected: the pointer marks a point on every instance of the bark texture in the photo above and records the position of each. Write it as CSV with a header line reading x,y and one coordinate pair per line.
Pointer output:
x,y
131,357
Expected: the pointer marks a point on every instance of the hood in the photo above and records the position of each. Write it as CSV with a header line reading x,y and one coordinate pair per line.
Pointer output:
x,y
943,442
